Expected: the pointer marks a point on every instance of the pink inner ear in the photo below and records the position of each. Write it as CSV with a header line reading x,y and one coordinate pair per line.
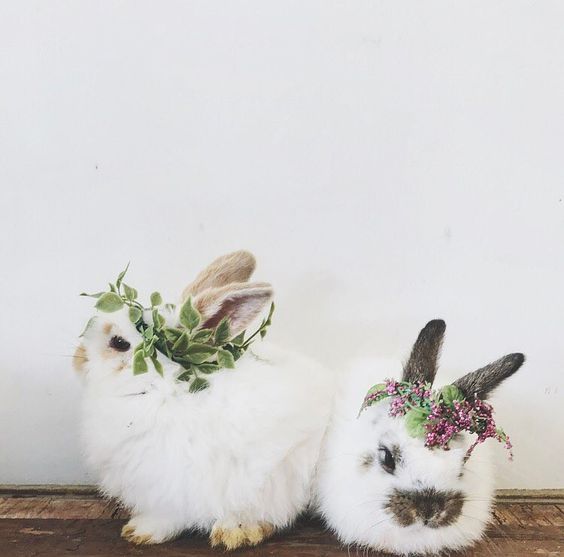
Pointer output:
x,y
240,308
229,308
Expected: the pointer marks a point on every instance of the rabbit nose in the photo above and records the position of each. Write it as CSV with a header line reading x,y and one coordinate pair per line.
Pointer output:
x,y
429,510
432,507
438,508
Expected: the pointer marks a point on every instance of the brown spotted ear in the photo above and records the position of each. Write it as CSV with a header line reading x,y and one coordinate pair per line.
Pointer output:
x,y
233,267
241,303
483,381
422,363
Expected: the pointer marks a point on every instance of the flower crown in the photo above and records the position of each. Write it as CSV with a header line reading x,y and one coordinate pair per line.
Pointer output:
x,y
437,416
198,351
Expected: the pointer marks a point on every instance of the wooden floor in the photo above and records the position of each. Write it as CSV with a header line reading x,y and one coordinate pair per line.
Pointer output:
x,y
82,524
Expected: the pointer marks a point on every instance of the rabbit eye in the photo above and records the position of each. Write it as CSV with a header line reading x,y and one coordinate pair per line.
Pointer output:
x,y
119,344
387,460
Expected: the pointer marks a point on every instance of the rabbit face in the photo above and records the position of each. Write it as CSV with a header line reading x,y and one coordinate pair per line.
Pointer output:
x,y
380,487
107,345
410,498
220,291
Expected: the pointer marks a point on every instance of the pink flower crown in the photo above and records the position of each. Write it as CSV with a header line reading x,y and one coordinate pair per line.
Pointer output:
x,y
437,416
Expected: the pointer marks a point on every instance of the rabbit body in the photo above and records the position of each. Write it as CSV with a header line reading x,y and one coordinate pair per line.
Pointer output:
x,y
379,487
353,492
236,459
242,452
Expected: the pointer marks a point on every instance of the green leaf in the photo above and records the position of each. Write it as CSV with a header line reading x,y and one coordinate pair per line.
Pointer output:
x,y
156,299
376,388
199,384
109,302
112,287
164,347
97,295
158,365
414,420
450,393
130,292
158,320
181,345
235,350
135,314
120,276
150,346
222,332
88,325
208,368
199,353
239,339
189,316
225,359
139,363
172,334
139,348
201,335
149,332
185,376
379,390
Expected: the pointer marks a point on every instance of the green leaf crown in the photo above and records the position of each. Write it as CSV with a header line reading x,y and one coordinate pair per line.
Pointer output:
x,y
198,351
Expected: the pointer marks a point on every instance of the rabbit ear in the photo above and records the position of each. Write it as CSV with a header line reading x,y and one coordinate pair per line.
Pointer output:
x,y
483,381
241,303
422,363
233,267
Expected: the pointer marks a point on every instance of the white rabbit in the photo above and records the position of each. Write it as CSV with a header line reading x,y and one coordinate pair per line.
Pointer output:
x,y
381,488
235,460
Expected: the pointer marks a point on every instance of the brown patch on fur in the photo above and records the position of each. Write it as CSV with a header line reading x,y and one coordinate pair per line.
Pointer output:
x,y
129,533
240,536
422,363
233,267
79,358
108,353
483,381
367,460
122,365
434,508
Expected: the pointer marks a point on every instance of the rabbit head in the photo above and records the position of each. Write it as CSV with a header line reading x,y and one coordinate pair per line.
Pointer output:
x,y
383,488
220,291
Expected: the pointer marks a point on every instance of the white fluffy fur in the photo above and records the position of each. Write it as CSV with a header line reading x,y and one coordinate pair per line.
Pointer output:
x,y
241,452
352,497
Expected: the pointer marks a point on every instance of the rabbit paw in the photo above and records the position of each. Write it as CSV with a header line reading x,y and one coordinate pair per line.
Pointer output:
x,y
146,531
232,536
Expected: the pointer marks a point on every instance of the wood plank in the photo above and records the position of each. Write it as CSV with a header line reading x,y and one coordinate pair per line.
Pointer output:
x,y
506,514
555,496
528,516
87,526
553,514
503,516
60,507
100,538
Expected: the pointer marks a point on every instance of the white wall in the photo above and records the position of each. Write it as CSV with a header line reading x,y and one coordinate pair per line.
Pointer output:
x,y
388,162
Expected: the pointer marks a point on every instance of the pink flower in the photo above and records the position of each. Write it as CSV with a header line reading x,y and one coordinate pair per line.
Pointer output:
x,y
442,420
